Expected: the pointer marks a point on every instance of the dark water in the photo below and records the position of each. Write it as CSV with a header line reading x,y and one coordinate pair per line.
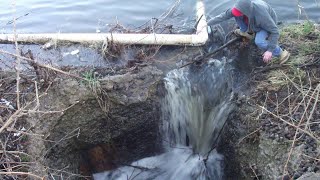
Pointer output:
x,y
287,10
85,15
38,16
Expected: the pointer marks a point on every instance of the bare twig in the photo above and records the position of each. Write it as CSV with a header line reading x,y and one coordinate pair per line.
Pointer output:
x,y
72,134
37,95
138,167
11,119
22,132
22,111
249,135
13,152
299,124
17,18
301,89
310,157
254,172
23,164
69,173
18,61
290,124
22,173
290,153
314,106
43,65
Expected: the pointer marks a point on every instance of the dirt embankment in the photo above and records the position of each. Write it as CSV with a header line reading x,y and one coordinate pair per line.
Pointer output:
x,y
72,127
277,128
76,121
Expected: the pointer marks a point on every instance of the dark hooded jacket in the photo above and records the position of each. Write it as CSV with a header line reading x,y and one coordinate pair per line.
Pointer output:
x,y
261,16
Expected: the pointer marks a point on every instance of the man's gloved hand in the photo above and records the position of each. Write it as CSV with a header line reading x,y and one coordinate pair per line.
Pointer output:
x,y
267,56
244,34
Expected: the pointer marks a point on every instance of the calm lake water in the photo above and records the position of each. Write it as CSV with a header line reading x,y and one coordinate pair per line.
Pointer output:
x,y
40,16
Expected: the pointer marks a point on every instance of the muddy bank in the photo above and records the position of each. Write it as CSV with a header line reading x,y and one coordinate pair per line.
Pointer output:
x,y
105,124
95,120
275,132
75,127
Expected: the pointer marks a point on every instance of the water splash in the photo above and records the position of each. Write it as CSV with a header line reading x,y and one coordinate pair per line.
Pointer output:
x,y
177,164
196,107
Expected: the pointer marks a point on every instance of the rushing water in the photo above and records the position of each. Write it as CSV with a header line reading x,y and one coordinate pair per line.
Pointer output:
x,y
195,109
39,16
197,105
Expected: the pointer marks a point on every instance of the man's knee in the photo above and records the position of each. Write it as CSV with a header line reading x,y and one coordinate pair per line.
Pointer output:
x,y
261,43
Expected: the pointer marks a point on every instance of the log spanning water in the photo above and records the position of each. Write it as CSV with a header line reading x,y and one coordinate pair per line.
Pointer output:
x,y
196,107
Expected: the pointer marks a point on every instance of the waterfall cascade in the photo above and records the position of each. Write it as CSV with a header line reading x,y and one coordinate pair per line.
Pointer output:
x,y
195,108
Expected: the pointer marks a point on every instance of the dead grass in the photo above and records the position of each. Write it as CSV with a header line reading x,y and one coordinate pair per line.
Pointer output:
x,y
289,95
303,38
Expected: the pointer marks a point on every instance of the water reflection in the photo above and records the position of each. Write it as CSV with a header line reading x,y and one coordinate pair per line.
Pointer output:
x,y
90,15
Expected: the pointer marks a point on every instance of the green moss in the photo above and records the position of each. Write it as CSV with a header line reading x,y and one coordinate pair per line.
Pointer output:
x,y
25,158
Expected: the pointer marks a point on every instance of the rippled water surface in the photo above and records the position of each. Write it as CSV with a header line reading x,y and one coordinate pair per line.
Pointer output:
x,y
36,16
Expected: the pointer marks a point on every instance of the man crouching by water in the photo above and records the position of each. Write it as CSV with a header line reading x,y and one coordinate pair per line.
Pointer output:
x,y
256,16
